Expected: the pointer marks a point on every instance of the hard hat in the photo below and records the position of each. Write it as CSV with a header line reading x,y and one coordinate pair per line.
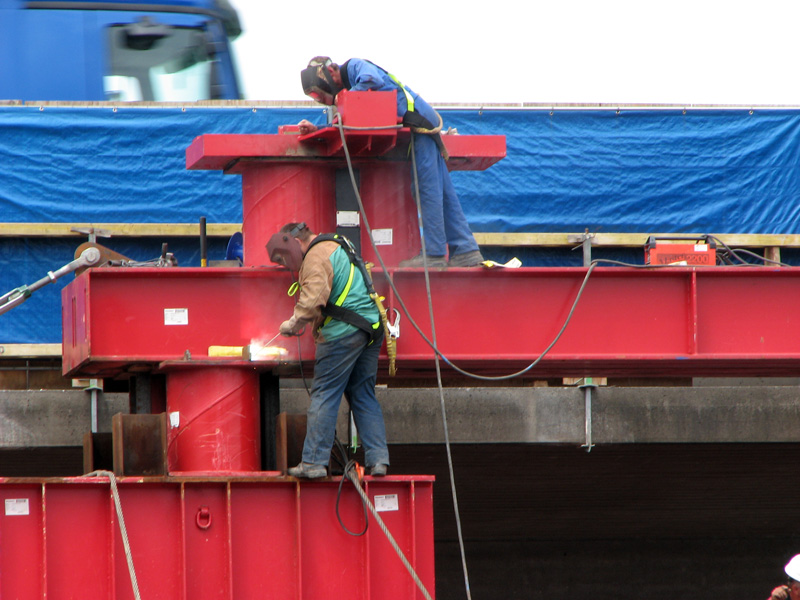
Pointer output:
x,y
317,81
792,568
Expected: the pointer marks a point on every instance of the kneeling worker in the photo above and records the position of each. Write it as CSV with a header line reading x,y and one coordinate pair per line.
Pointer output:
x,y
334,302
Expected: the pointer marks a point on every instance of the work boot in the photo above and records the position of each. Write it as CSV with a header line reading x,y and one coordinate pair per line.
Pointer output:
x,y
378,470
473,258
308,471
417,261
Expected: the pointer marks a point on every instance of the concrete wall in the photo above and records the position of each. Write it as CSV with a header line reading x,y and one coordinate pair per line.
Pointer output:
x,y
557,415
704,414
53,417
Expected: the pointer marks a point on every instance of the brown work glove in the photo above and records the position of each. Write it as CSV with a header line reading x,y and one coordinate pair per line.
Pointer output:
x,y
780,593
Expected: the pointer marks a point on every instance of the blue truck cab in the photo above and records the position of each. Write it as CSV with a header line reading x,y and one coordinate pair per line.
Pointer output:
x,y
120,51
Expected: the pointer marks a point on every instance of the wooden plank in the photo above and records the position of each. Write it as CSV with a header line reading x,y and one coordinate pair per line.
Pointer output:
x,y
752,240
30,350
772,254
632,240
116,229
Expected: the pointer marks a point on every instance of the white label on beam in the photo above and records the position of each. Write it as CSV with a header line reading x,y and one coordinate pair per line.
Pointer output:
x,y
176,316
348,218
386,503
382,237
17,507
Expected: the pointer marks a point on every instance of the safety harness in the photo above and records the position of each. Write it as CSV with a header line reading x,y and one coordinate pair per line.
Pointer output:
x,y
335,310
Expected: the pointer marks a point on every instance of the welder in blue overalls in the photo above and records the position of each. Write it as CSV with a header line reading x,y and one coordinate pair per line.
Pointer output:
x,y
444,224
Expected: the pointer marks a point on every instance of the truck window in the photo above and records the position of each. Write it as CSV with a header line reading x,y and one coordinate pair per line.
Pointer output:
x,y
150,61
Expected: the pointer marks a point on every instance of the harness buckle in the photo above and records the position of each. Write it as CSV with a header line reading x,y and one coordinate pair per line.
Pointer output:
x,y
394,328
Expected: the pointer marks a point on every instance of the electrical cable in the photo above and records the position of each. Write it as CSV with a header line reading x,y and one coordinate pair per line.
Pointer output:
x,y
734,252
432,343
351,464
398,297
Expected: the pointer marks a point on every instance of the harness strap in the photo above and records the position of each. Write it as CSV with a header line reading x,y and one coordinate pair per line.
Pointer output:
x,y
351,317
335,310
409,97
345,291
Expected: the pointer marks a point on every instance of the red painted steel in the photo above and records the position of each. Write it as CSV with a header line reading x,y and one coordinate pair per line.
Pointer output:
x,y
258,537
276,194
291,178
213,418
116,317
675,321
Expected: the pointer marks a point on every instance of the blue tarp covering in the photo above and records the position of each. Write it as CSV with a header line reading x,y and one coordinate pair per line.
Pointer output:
x,y
641,171
722,171
632,171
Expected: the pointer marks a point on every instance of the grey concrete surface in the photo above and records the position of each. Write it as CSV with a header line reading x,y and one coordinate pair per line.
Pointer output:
x,y
53,417
557,415
480,415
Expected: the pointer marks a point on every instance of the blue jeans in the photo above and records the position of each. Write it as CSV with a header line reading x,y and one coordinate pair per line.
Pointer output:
x,y
443,219
348,366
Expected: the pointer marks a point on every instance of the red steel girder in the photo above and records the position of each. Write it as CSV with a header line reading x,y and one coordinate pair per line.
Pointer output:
x,y
220,537
676,321
234,152
369,120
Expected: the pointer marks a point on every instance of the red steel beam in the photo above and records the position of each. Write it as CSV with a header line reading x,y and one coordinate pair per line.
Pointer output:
x,y
220,538
676,321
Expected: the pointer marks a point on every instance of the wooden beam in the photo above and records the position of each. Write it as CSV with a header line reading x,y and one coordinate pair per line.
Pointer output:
x,y
116,229
530,239
632,240
30,350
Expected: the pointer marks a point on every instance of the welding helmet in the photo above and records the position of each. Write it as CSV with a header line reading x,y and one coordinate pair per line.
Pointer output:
x,y
792,568
284,249
318,82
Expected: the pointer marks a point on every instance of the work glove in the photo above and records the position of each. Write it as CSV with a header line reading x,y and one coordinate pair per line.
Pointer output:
x,y
780,593
290,327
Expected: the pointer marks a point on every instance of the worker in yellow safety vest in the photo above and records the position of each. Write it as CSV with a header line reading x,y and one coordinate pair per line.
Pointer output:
x,y
334,302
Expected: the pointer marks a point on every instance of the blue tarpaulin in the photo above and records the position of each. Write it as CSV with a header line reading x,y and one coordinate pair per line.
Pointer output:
x,y
636,171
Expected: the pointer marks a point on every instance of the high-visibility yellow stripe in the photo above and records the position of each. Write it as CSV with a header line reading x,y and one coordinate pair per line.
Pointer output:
x,y
345,291
409,98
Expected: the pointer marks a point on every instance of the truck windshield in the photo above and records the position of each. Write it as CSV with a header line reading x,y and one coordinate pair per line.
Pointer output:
x,y
149,61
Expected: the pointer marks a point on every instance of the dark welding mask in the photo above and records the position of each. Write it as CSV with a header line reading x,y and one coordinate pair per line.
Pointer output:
x,y
284,249
317,81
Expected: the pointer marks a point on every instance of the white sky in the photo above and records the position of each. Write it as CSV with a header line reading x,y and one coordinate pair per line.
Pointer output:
x,y
550,51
